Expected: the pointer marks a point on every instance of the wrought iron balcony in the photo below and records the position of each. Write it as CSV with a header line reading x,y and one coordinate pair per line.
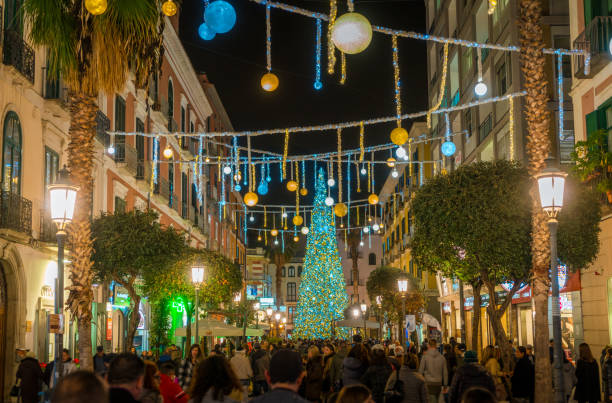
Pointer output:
x,y
17,53
102,127
48,229
15,212
595,39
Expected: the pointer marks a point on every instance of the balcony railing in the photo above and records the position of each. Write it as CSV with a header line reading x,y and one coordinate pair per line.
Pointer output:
x,y
485,128
15,212
48,229
595,39
102,127
17,53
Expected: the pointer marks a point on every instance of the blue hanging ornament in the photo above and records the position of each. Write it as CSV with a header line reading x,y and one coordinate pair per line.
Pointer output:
x,y
220,16
262,189
206,32
448,148
237,188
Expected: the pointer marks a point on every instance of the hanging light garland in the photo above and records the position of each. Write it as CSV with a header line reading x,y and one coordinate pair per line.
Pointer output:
x,y
399,135
442,87
318,84
480,89
340,208
511,127
331,50
269,81
285,152
342,68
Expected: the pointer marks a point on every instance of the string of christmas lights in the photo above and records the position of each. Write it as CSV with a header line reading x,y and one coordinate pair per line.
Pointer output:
x,y
331,49
442,86
318,84
396,79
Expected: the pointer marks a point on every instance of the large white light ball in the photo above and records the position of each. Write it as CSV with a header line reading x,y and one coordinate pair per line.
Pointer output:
x,y
394,173
227,170
480,88
366,230
375,227
329,201
363,171
352,33
331,182
400,152
305,230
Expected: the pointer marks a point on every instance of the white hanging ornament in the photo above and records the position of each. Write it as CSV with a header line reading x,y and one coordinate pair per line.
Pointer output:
x,y
352,33
400,152
227,170
329,201
331,182
480,88
305,230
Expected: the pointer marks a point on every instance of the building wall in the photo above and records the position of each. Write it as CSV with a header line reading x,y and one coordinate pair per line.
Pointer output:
x,y
371,245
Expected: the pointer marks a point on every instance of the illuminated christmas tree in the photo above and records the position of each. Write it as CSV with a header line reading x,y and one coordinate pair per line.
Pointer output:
x,y
322,294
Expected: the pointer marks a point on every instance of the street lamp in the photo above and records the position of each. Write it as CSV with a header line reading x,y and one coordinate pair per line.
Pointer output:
x,y
269,315
277,317
364,308
62,200
402,286
197,277
551,185
256,307
379,305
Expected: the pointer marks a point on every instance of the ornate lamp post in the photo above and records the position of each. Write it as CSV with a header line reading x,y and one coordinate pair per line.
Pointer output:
x,y
402,286
356,315
551,185
62,200
277,317
364,308
197,277
379,305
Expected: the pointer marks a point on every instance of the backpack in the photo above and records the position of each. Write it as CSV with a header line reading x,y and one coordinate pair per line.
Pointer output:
x,y
394,391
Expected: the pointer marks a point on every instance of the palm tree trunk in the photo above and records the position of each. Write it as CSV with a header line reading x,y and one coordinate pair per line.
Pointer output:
x,y
538,146
80,162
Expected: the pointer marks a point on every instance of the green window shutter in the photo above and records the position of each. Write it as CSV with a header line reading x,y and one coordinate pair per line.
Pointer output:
x,y
591,123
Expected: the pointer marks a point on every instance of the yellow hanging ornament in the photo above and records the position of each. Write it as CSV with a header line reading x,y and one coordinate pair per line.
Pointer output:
x,y
292,186
96,7
340,209
373,199
391,162
296,238
297,220
303,191
251,199
399,136
274,232
269,82
169,8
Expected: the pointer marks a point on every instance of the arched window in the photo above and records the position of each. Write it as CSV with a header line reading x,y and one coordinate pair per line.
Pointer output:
x,y
11,154
372,259
291,271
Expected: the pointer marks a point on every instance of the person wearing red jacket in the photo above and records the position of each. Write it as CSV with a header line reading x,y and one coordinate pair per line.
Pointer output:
x,y
170,390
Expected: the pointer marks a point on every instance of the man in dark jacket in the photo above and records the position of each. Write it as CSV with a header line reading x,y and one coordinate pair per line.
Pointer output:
x,y
29,376
260,362
470,374
523,377
284,376
125,378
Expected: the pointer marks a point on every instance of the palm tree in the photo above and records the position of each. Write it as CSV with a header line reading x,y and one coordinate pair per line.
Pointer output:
x,y
538,146
92,54
279,256
354,240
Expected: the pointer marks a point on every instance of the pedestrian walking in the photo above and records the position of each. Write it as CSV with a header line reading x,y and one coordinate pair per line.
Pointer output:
x,y
451,361
314,375
377,374
569,377
215,381
355,394
285,376
332,370
606,376
125,378
150,392
242,367
433,368
188,365
411,387
587,377
355,365
523,377
29,380
68,366
80,386
491,362
260,363
100,363
169,389
470,374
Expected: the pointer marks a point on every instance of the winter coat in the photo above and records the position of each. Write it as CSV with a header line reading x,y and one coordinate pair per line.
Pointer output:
x,y
523,379
433,367
120,395
241,365
468,375
279,395
569,377
587,386
260,363
30,379
185,373
329,375
48,376
415,390
494,368
151,396
375,378
314,379
171,391
235,397
606,377
336,367
352,370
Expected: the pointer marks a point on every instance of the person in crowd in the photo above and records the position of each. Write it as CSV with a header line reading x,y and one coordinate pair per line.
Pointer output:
x,y
413,384
355,394
125,378
242,367
434,370
478,395
338,363
168,387
284,376
188,365
451,360
377,374
523,377
529,348
260,363
80,386
355,365
331,373
215,381
587,375
606,376
470,374
29,376
150,392
459,352
314,375
491,363
68,366
396,356
100,364
569,377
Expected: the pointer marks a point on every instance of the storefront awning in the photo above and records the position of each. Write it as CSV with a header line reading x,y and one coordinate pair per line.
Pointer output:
x,y
356,323
216,328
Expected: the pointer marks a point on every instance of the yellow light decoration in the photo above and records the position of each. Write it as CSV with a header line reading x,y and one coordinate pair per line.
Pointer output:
x,y
352,33
169,8
339,140
96,7
331,49
285,151
442,86
391,162
298,220
361,150
274,232
292,186
269,82
342,68
259,237
340,209
303,191
168,152
251,199
511,124
295,239
373,198
399,136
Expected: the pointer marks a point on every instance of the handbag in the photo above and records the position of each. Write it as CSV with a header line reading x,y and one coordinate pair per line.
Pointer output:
x,y
15,391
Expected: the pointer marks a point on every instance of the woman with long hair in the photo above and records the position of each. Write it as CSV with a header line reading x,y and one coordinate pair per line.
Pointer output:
x,y
355,365
330,371
150,392
587,376
491,363
215,381
188,366
355,394
314,374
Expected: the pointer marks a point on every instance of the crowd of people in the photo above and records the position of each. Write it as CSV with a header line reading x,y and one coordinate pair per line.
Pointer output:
x,y
315,371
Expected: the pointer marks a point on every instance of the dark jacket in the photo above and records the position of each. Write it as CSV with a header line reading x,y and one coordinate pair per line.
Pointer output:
x,y
523,379
119,395
279,395
314,379
375,378
468,375
587,386
336,370
260,362
415,390
352,370
31,379
606,377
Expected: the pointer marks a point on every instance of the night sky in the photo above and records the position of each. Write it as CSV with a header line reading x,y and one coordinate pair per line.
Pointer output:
x,y
235,62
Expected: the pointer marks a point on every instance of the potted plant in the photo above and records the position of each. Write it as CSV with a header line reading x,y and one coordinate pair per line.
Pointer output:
x,y
593,159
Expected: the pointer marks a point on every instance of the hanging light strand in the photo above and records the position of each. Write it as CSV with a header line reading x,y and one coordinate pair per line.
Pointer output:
x,y
317,83
303,174
358,177
560,93
511,127
442,86
479,63
350,5
331,49
361,141
339,166
396,78
342,68
268,39
285,151
369,177
297,191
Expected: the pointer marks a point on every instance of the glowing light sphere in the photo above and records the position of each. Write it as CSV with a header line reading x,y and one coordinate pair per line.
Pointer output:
x,y
375,227
480,88
168,152
220,16
366,229
448,148
399,136
296,238
206,32
400,152
276,242
237,188
361,243
268,179
298,220
329,201
111,150
331,182
227,170
303,191
292,186
274,232
391,162
340,209
284,215
250,199
262,189
96,7
251,219
394,173
259,237
373,198
304,230
363,171
269,82
318,85
169,8
352,33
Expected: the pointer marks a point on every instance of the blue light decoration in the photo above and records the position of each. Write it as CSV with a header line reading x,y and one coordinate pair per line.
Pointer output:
x,y
318,84
220,16
237,188
245,174
206,32
448,148
268,177
348,191
559,93
155,158
303,174
201,169
322,297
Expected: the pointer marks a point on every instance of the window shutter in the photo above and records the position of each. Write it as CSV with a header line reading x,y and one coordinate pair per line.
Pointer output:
x,y
591,123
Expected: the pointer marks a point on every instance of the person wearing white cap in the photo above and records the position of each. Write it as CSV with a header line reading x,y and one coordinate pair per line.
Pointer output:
x,y
29,376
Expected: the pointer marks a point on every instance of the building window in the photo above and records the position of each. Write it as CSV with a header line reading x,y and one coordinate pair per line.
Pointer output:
x,y
467,121
183,119
184,194
411,267
485,127
291,292
283,272
170,100
299,271
120,205
372,259
290,313
291,271
51,168
502,79
11,154
467,59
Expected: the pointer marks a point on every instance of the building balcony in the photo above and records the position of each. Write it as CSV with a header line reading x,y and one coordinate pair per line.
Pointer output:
x,y
48,229
134,165
15,213
17,53
102,128
595,39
